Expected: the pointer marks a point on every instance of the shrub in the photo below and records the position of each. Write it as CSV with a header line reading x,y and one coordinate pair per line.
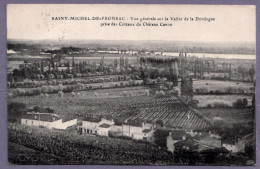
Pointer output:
x,y
240,103
44,89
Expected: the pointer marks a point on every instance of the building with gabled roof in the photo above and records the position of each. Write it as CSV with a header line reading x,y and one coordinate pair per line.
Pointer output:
x,y
138,130
94,125
47,120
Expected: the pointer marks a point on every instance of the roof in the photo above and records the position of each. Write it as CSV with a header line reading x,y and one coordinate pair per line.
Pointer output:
x,y
92,119
104,125
137,123
41,117
146,130
191,145
229,141
177,134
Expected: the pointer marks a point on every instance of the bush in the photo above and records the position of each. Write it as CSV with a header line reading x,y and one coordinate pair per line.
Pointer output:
x,y
160,137
240,103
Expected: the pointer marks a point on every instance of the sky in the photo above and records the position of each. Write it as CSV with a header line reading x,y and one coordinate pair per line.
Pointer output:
x,y
34,22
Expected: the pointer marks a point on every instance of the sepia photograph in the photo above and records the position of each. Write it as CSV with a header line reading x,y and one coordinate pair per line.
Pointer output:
x,y
121,84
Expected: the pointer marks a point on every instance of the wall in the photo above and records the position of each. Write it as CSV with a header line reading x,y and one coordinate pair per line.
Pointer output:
x,y
229,147
170,144
65,125
39,123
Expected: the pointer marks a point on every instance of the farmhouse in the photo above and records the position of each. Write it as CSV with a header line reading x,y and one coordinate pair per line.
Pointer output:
x,y
101,126
234,146
92,125
138,130
47,120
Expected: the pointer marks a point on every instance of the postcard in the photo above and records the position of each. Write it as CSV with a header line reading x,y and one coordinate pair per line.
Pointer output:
x,y
121,84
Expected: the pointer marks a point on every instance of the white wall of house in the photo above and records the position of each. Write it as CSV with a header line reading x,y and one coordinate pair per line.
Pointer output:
x,y
38,123
90,127
230,147
170,144
116,129
103,131
66,124
136,132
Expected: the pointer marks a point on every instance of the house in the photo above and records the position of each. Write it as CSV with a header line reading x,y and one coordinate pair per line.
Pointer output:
x,y
174,137
104,129
234,146
92,125
138,130
230,145
47,120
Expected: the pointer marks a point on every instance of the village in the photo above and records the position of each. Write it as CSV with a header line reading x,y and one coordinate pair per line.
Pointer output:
x,y
138,97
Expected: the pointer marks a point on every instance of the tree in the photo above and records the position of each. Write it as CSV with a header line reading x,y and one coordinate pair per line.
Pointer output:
x,y
160,137
15,110
240,103
160,122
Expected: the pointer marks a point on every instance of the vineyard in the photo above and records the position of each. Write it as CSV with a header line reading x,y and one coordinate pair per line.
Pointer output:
x,y
170,109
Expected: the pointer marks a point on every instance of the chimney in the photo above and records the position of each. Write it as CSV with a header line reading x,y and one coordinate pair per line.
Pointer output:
x,y
170,133
142,124
125,120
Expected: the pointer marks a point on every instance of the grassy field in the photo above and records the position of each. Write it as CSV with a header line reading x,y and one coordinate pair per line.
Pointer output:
x,y
222,86
229,115
205,100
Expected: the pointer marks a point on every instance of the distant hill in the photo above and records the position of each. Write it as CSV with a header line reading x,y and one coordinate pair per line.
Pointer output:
x,y
160,45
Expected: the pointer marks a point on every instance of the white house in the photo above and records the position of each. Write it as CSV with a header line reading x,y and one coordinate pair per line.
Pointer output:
x,y
47,120
230,145
238,145
138,131
92,125
104,129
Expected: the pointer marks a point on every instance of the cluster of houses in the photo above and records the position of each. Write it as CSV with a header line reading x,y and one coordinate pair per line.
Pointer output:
x,y
177,140
104,127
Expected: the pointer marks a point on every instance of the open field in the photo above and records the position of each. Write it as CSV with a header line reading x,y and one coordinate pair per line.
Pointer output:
x,y
205,100
229,115
208,86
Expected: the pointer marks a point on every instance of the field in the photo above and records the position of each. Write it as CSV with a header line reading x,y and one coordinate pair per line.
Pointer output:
x,y
229,115
62,147
222,86
170,109
19,154
205,100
